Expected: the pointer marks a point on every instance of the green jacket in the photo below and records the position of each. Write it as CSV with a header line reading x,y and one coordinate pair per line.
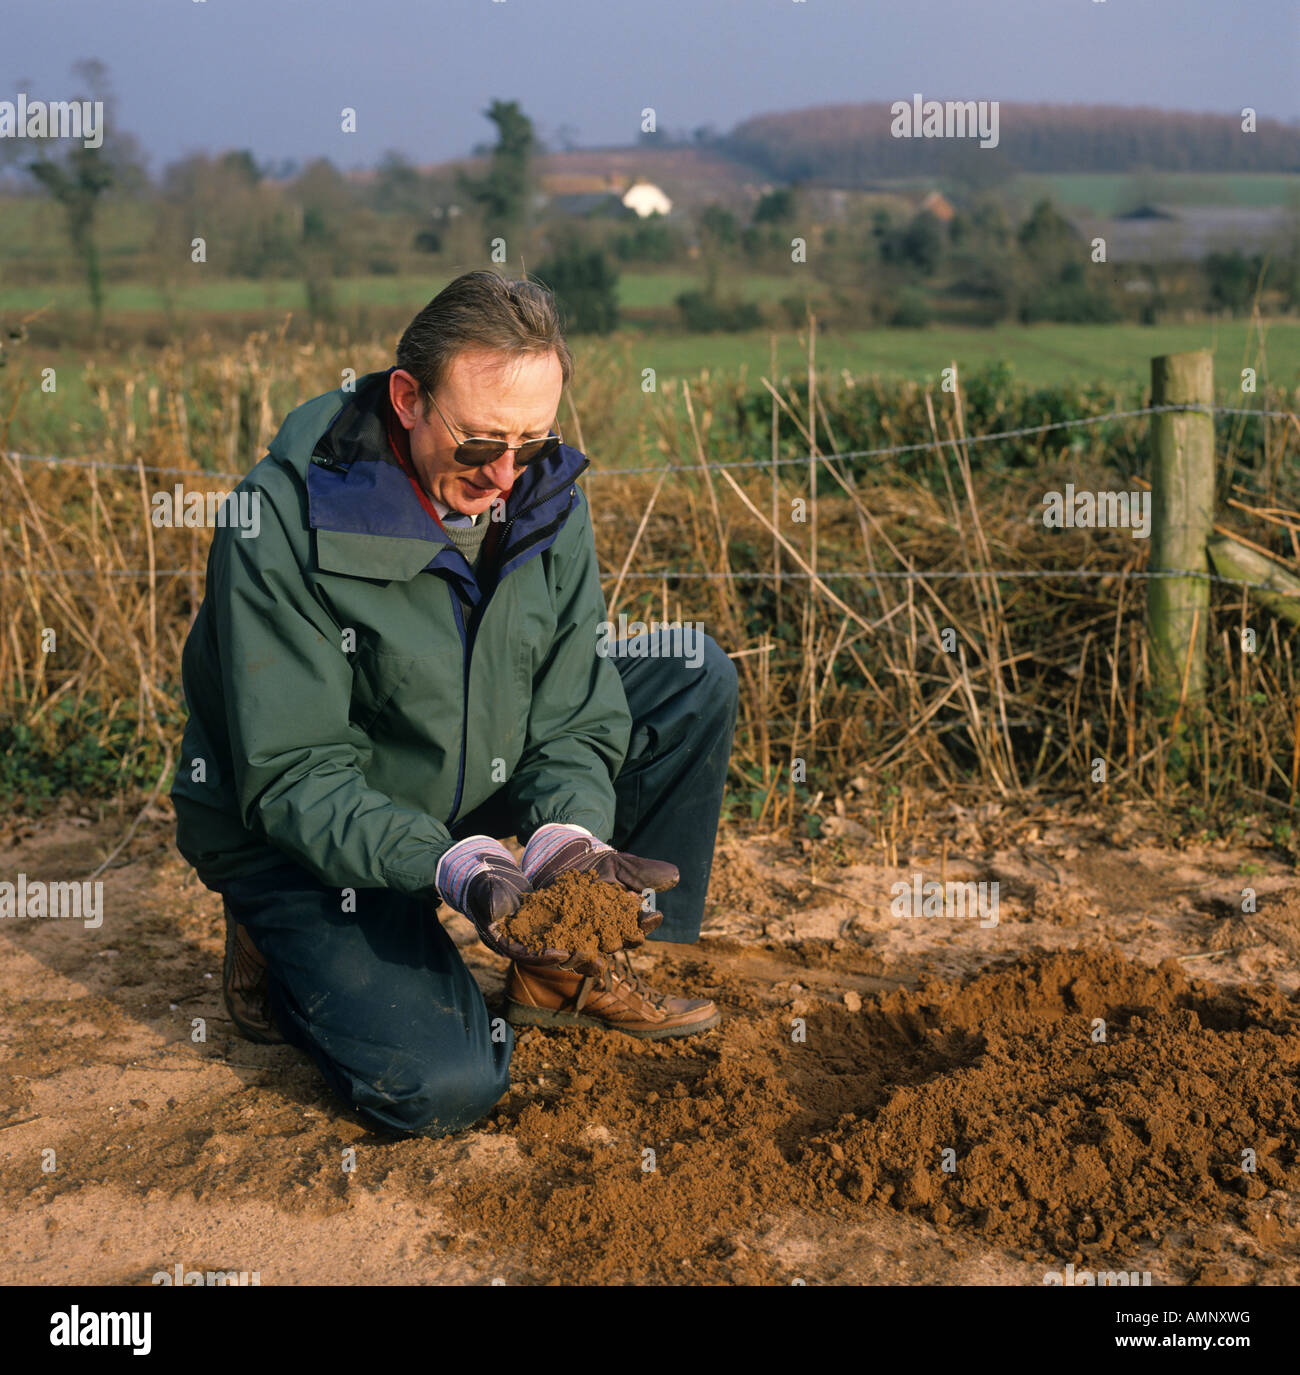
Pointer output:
x,y
346,706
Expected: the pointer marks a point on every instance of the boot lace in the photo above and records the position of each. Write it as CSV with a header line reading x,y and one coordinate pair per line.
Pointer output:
x,y
637,985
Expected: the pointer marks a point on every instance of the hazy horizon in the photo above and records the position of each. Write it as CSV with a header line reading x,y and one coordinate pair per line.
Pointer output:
x,y
211,75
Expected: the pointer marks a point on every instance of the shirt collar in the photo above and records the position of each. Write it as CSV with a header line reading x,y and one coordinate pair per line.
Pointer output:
x,y
444,511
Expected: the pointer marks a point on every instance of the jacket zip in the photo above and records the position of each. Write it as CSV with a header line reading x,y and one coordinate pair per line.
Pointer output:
x,y
568,482
459,613
467,638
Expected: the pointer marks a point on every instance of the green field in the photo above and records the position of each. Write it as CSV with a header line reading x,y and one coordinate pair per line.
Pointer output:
x,y
637,291
34,225
1105,193
651,290
1040,355
223,294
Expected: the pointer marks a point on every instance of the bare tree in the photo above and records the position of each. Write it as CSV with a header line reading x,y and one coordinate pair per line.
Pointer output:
x,y
78,177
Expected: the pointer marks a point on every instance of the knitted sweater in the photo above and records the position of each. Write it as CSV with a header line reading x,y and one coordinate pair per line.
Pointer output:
x,y
468,539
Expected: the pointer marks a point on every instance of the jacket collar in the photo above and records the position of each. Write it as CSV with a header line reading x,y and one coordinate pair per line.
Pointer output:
x,y
370,524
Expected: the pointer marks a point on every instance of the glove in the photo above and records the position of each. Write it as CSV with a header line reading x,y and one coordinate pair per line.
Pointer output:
x,y
479,879
559,847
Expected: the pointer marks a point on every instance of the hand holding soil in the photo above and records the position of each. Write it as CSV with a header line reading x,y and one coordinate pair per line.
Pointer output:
x,y
574,921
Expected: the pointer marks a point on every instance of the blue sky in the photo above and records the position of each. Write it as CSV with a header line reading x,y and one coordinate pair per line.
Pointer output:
x,y
273,75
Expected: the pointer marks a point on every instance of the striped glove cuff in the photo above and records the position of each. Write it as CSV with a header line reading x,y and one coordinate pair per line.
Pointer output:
x,y
463,862
554,847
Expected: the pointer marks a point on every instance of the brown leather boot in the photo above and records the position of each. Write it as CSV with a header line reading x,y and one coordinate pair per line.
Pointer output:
x,y
618,1001
243,981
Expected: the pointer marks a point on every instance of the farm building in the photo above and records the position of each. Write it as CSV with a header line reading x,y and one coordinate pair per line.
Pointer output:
x,y
1158,233
647,199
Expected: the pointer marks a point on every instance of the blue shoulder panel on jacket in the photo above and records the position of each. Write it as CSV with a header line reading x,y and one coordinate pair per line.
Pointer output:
x,y
368,498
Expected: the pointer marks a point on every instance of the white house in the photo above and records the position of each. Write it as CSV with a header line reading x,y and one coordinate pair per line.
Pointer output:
x,y
646,198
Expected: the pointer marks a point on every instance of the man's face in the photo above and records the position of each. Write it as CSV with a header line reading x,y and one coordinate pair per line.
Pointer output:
x,y
483,396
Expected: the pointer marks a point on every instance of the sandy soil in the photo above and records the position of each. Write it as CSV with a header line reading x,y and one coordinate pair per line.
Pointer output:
x,y
768,1162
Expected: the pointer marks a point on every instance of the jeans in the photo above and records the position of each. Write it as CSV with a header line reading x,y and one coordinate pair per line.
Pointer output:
x,y
381,999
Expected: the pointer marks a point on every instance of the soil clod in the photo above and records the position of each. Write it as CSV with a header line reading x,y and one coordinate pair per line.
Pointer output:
x,y
578,913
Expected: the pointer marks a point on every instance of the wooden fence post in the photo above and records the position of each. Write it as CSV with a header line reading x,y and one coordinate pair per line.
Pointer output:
x,y
1182,514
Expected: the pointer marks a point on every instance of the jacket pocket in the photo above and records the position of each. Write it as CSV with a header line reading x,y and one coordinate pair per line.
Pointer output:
x,y
376,676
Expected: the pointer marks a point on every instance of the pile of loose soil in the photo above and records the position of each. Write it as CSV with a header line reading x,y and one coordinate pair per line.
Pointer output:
x,y
1073,1145
776,1137
668,1160
578,913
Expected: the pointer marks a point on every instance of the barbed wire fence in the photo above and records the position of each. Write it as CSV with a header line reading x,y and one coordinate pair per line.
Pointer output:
x,y
971,728
802,462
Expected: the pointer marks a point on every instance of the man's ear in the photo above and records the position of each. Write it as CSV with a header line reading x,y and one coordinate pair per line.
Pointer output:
x,y
404,393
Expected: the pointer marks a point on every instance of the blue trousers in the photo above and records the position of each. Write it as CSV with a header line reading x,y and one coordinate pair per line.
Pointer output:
x,y
381,999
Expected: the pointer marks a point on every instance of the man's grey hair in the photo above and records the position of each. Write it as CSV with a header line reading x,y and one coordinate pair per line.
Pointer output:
x,y
482,310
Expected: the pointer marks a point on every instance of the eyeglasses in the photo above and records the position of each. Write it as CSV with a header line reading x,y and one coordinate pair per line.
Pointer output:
x,y
474,453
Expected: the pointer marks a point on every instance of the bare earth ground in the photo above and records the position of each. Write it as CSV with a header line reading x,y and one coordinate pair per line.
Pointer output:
x,y
778,1155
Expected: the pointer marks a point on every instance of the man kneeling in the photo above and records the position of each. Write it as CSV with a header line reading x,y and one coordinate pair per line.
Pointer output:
x,y
405,665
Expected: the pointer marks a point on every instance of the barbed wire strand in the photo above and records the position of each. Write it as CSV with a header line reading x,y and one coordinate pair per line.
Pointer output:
x,y
992,438
689,575
935,443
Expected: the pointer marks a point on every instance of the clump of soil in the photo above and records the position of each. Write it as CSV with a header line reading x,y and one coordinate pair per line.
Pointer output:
x,y
1060,905
578,913
737,884
670,1161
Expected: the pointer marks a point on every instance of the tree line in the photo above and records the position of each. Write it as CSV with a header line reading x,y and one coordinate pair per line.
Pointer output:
x,y
991,260
852,145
